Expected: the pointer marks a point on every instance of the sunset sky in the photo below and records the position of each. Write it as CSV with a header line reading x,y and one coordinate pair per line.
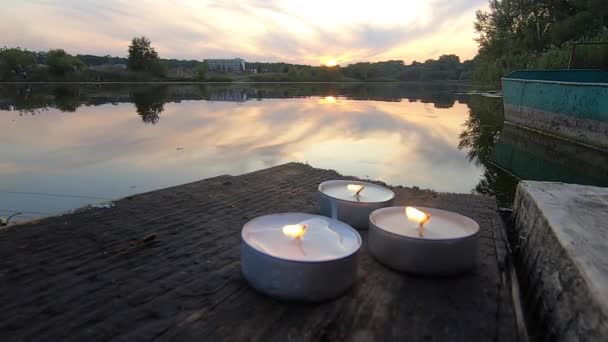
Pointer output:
x,y
308,32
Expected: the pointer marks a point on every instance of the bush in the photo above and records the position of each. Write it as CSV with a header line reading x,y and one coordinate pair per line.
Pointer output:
x,y
60,63
201,71
15,63
554,58
156,68
219,79
270,77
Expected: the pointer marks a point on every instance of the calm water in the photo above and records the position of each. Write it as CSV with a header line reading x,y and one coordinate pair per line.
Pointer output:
x,y
64,147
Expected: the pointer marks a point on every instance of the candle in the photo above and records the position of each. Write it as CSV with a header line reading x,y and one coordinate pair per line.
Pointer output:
x,y
423,240
352,201
296,256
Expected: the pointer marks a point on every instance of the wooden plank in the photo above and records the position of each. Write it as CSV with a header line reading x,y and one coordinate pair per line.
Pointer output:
x,y
88,275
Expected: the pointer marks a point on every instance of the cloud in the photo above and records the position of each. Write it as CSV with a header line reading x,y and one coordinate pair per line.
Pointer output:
x,y
301,32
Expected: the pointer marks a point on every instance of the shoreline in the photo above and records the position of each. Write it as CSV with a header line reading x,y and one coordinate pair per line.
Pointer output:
x,y
466,83
108,203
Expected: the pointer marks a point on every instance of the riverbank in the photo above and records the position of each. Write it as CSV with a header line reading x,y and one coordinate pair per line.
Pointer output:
x,y
462,83
165,264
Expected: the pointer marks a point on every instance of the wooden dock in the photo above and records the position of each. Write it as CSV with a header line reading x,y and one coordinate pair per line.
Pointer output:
x,y
164,265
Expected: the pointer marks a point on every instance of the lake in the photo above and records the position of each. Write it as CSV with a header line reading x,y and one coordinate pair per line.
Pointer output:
x,y
66,146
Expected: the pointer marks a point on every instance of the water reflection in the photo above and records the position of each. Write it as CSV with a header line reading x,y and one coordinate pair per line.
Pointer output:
x,y
86,144
481,131
150,102
69,97
538,157
509,154
89,142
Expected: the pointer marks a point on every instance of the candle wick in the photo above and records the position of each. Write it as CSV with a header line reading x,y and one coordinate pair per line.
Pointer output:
x,y
421,225
299,244
359,191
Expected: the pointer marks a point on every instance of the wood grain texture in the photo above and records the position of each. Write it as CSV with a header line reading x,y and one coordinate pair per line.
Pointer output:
x,y
91,275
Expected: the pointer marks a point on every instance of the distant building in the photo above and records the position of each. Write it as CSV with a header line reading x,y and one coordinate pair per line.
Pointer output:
x,y
226,65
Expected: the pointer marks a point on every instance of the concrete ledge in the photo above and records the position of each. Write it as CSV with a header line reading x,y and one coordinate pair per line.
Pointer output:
x,y
562,233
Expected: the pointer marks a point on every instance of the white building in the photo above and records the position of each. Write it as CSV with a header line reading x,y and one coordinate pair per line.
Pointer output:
x,y
226,65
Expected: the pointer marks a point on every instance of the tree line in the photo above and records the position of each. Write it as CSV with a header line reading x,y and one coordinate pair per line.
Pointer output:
x,y
446,67
143,63
539,34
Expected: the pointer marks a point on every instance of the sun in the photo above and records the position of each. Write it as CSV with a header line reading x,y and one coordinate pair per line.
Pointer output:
x,y
331,63
329,100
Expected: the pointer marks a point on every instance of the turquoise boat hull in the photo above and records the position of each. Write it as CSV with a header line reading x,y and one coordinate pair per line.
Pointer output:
x,y
570,104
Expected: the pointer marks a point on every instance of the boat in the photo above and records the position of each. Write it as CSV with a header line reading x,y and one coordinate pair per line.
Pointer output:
x,y
569,104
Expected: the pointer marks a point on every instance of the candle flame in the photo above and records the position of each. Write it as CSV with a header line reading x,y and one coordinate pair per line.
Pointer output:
x,y
357,188
294,230
418,216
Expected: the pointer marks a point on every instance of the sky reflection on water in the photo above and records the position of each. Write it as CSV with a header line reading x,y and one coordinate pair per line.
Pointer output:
x,y
106,151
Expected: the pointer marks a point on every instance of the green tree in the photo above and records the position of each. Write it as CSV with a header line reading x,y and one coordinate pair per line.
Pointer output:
x,y
140,53
15,63
201,71
156,68
535,33
447,67
327,73
60,62
143,57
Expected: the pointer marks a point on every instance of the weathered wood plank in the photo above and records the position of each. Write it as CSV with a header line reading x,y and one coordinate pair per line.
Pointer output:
x,y
73,277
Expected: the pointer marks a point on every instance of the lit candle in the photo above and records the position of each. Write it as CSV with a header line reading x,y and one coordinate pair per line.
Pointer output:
x,y
352,201
299,256
419,217
294,230
423,240
355,188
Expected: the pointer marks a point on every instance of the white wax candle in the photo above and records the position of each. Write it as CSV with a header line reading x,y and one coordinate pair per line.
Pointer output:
x,y
324,239
371,193
442,224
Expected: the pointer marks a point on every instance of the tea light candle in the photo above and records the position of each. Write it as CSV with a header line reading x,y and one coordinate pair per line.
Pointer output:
x,y
423,240
296,256
352,201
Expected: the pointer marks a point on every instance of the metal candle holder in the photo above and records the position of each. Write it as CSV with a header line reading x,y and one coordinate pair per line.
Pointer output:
x,y
349,207
420,255
284,277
